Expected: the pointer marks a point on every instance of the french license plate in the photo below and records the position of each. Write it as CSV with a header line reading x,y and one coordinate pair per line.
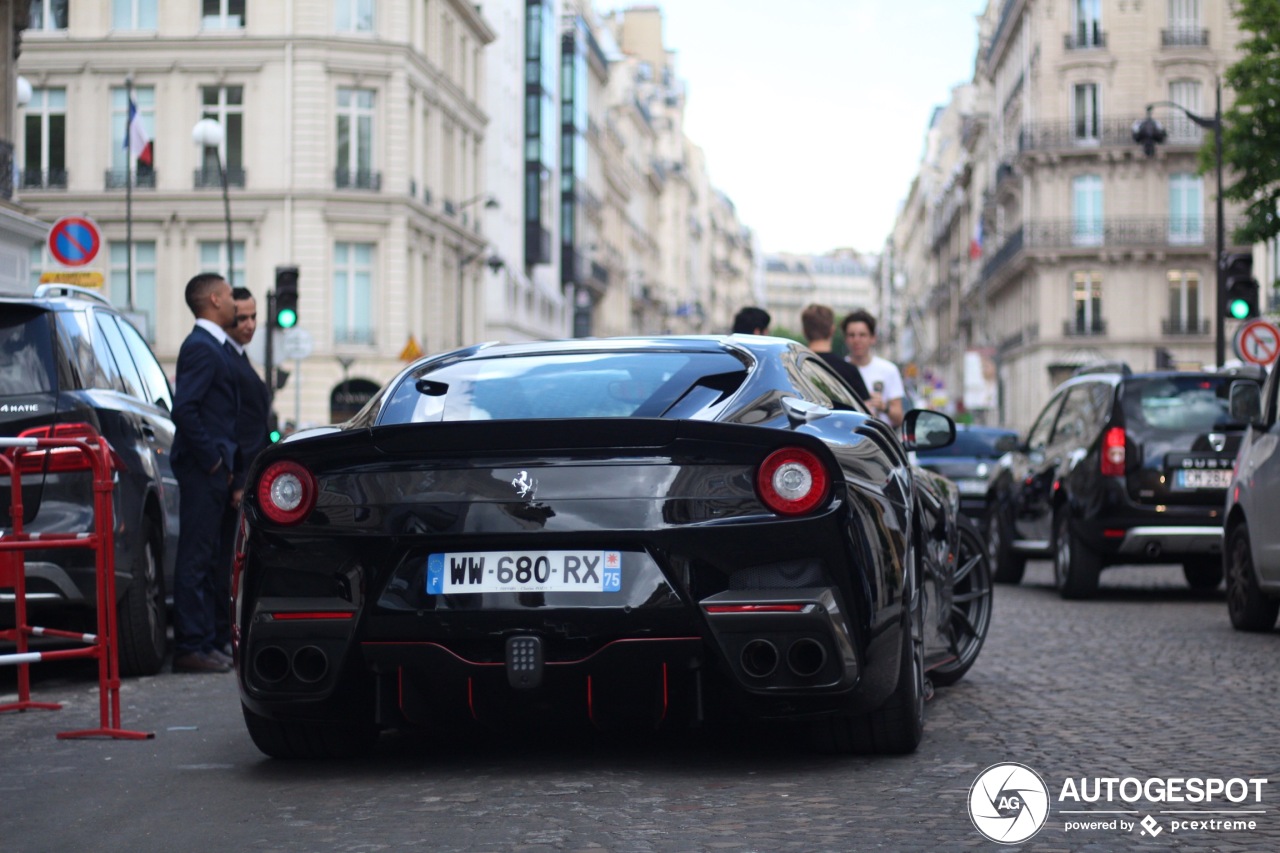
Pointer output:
x,y
1210,478
524,571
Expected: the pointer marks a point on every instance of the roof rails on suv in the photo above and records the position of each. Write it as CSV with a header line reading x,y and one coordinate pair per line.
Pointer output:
x,y
1103,367
45,291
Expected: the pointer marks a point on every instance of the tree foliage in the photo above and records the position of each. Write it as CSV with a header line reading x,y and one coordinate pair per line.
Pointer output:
x,y
1251,125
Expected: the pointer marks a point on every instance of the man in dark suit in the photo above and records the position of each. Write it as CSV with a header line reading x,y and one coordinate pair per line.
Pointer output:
x,y
252,435
206,404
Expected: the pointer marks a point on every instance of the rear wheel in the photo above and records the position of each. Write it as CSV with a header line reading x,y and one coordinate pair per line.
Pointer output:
x,y
1006,566
971,603
1203,574
896,727
1075,566
1249,608
306,739
140,615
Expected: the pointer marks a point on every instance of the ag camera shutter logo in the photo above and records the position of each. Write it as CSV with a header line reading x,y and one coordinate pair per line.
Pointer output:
x,y
1008,803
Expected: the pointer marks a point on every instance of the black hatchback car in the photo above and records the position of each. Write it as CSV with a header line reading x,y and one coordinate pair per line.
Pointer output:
x,y
1119,468
71,365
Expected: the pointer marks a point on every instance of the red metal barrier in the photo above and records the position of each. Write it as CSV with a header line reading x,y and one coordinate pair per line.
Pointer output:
x,y
103,644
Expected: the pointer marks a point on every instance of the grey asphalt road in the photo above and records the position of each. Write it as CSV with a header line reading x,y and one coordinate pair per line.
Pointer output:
x,y
1147,681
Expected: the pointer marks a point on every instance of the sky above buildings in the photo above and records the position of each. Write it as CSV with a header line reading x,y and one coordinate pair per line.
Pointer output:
x,y
813,113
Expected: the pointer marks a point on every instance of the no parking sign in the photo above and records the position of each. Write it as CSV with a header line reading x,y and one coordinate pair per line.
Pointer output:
x,y
74,240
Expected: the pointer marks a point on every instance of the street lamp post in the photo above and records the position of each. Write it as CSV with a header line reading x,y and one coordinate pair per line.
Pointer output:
x,y
208,134
1148,133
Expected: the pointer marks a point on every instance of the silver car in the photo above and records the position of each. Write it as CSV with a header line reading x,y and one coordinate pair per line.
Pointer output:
x,y
1251,556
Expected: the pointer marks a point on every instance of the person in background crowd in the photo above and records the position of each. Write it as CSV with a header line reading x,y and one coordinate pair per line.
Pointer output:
x,y
818,323
206,456
880,375
252,436
751,321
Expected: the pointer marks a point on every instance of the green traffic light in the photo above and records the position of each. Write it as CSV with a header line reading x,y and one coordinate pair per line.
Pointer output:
x,y
287,318
1239,308
274,436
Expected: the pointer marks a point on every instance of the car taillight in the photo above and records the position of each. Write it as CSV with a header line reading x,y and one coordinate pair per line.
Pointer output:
x,y
1113,452
792,481
57,459
286,492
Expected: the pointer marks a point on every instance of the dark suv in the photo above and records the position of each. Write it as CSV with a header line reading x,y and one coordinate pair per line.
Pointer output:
x,y
1119,468
72,365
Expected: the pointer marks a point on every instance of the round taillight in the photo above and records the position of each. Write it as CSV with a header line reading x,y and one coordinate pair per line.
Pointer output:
x,y
792,481
286,492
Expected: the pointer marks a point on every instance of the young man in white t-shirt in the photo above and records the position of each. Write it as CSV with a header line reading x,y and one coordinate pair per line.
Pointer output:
x,y
880,375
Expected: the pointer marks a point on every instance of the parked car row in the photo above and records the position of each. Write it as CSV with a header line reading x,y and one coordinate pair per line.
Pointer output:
x,y
1121,468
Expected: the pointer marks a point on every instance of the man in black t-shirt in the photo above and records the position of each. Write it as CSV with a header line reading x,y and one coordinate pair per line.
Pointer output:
x,y
818,323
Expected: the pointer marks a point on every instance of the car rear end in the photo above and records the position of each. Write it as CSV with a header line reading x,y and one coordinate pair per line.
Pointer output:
x,y
1165,459
624,571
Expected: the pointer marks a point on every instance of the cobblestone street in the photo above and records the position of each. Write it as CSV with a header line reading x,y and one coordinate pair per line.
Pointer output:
x,y
1148,680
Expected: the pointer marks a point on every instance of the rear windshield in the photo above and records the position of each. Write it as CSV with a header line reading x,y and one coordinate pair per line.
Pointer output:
x,y
26,351
567,385
1178,403
974,445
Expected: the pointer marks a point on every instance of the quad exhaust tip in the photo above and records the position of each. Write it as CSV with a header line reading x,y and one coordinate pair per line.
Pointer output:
x,y
759,658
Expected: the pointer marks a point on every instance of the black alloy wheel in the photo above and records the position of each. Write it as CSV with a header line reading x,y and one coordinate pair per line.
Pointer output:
x,y
1006,566
1075,566
1249,608
141,623
971,605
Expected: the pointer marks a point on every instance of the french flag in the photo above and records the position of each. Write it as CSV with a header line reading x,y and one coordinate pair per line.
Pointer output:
x,y
136,138
975,245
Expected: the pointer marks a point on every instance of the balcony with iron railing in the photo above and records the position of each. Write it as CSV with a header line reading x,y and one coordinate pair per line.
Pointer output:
x,y
208,178
143,179
357,179
1084,328
1146,233
1085,38
1184,37
1184,326
42,179
1087,136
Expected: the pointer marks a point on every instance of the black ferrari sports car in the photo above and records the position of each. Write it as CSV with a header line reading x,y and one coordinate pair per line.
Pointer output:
x,y
640,532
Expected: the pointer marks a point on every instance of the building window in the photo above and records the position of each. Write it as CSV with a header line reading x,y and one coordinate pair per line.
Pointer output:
x,y
353,293
1084,112
44,137
1186,94
1184,303
353,16
144,281
1087,23
1186,208
542,68
1185,29
48,14
223,14
1086,298
1086,210
355,139
145,98
39,261
133,14
225,105
213,258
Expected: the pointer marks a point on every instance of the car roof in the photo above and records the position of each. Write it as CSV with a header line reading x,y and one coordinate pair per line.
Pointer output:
x,y
59,297
660,343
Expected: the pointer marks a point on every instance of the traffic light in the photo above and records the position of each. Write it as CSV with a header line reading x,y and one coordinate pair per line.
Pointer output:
x,y
273,428
285,314
1242,287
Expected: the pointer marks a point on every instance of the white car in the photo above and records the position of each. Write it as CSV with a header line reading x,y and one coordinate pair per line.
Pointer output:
x,y
1251,556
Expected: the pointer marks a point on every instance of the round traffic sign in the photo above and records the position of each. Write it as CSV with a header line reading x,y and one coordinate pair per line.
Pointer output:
x,y
74,240
1258,342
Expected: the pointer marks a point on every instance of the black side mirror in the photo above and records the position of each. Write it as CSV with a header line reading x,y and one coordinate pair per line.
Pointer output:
x,y
924,429
1245,403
